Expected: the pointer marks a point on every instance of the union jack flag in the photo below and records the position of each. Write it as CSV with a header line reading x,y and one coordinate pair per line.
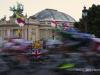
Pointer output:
x,y
53,23
65,25
20,20
36,53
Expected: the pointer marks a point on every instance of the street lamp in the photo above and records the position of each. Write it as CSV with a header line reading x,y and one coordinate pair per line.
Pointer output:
x,y
84,16
53,34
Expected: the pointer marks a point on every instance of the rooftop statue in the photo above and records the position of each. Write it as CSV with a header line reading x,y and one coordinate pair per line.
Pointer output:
x,y
3,19
17,9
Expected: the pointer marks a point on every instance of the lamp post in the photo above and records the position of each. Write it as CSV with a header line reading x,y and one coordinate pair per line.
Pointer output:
x,y
53,25
53,34
84,16
28,28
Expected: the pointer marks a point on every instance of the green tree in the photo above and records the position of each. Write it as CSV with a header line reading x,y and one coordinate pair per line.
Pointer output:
x,y
92,19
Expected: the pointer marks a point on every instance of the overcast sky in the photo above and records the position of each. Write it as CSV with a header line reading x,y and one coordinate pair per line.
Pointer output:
x,y
71,7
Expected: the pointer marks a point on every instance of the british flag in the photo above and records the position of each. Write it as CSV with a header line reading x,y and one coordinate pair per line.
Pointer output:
x,y
53,23
65,25
20,20
36,53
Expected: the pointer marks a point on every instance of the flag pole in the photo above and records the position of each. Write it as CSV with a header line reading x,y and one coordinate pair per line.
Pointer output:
x,y
21,32
54,25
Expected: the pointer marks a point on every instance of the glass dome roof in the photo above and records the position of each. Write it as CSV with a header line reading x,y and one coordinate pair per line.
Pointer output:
x,y
49,14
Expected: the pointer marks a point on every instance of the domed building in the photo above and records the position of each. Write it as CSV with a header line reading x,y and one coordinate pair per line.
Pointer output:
x,y
47,15
36,27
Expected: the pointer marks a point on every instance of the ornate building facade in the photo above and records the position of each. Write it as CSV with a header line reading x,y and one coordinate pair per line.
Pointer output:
x,y
36,27
32,30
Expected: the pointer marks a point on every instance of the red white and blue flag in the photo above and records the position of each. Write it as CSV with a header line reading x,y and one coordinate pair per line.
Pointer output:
x,y
53,23
65,25
20,20
36,53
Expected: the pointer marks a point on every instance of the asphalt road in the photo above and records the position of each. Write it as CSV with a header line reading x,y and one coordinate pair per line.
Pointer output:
x,y
38,68
32,68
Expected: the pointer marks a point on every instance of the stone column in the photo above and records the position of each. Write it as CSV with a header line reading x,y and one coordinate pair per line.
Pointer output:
x,y
2,33
23,32
37,34
30,32
11,32
26,33
8,32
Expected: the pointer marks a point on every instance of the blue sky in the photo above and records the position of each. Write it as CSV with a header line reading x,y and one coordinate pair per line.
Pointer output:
x,y
71,7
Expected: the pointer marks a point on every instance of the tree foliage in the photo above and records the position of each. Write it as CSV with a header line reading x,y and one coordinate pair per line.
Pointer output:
x,y
92,19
